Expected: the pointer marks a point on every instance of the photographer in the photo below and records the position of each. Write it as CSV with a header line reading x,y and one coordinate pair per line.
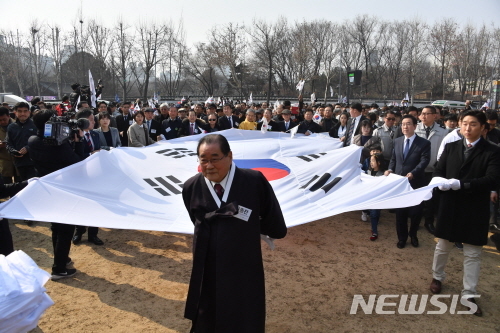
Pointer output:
x,y
18,134
49,158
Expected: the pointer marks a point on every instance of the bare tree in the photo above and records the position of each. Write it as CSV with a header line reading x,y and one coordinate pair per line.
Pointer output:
x,y
201,67
57,52
122,56
172,59
441,41
266,40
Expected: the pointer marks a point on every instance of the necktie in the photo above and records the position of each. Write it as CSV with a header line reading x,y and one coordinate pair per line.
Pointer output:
x,y
349,133
149,124
407,148
427,132
191,130
89,142
219,190
230,121
468,150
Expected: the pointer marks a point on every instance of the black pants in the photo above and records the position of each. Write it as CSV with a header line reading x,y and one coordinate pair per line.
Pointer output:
x,y
92,230
402,215
6,244
62,234
26,172
430,206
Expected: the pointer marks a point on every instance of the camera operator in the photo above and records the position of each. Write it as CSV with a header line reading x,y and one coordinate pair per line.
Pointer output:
x,y
91,145
49,158
17,137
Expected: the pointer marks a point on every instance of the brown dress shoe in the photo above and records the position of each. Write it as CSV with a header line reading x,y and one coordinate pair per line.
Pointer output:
x,y
435,286
478,312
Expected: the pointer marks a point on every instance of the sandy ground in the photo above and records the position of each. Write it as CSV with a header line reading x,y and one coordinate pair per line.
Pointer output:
x,y
137,281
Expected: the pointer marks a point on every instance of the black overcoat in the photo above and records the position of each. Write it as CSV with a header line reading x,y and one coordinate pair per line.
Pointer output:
x,y
226,290
464,214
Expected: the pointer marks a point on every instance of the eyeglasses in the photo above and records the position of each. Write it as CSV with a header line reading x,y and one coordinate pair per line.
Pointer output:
x,y
390,118
213,161
212,119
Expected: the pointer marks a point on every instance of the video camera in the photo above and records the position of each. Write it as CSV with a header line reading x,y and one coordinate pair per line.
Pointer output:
x,y
61,129
84,93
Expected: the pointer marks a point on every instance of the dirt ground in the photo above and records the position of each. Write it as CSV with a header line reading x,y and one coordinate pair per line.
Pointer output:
x,y
137,281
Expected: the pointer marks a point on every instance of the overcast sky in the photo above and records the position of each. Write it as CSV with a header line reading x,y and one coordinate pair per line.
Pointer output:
x,y
199,16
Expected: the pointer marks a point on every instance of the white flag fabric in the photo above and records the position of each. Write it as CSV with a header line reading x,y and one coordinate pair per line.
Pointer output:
x,y
264,126
331,91
93,98
77,102
250,99
311,176
406,97
313,98
23,299
300,85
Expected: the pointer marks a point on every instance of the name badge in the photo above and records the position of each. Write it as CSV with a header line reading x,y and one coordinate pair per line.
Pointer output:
x,y
195,130
153,130
168,129
130,122
243,213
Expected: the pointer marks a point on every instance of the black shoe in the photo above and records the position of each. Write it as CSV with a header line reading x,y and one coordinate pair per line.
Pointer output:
x,y
414,241
77,238
494,228
495,238
401,244
69,263
96,240
430,228
58,276
459,246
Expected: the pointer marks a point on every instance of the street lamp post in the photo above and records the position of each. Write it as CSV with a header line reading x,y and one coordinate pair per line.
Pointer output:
x,y
348,68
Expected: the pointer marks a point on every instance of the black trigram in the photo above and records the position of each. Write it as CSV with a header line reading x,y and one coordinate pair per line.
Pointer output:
x,y
311,157
166,186
322,183
176,152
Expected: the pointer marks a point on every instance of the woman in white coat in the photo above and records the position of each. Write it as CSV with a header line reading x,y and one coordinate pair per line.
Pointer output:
x,y
138,133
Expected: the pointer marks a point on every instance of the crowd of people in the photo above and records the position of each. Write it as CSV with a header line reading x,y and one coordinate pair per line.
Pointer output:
x,y
412,142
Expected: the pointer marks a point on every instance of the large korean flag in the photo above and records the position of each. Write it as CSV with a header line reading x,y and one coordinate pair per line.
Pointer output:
x,y
140,188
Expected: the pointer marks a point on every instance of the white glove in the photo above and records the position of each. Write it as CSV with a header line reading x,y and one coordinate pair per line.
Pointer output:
x,y
444,187
32,179
454,184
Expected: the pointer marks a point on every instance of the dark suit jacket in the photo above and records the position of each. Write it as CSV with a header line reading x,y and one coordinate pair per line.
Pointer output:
x,y
171,128
416,161
282,128
199,127
310,126
224,122
273,124
154,130
97,143
123,126
357,130
464,214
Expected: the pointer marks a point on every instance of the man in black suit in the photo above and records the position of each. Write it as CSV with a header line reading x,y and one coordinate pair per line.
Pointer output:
x,y
410,157
91,145
192,125
123,122
172,125
228,120
287,124
308,126
328,121
472,166
154,127
353,124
